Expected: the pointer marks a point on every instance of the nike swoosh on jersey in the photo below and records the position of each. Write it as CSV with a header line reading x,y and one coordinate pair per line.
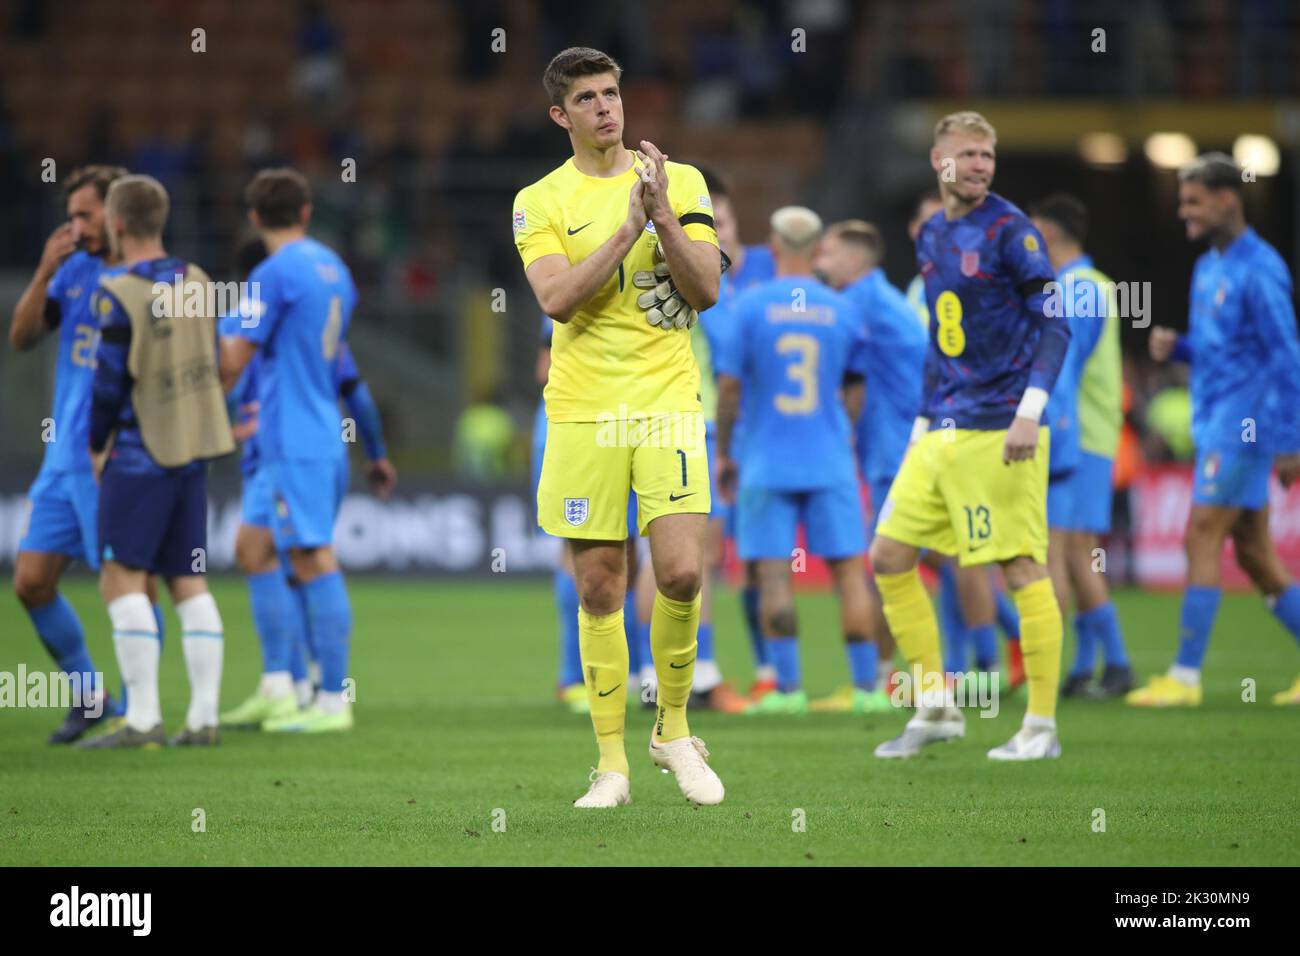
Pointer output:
x,y
574,232
680,497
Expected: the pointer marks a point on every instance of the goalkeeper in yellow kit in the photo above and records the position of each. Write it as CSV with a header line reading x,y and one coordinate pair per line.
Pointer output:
x,y
620,249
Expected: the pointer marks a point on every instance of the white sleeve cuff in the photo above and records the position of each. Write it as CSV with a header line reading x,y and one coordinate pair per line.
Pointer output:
x,y
919,428
1032,404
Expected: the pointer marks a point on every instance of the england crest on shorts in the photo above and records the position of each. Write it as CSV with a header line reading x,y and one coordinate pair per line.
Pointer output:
x,y
575,511
970,263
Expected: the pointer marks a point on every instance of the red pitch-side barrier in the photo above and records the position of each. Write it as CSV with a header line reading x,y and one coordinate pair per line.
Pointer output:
x,y
1162,498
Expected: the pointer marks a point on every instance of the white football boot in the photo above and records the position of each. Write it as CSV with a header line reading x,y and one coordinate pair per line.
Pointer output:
x,y
930,725
609,789
1029,743
686,759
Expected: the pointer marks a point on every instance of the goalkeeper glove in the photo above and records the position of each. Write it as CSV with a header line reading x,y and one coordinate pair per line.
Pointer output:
x,y
663,303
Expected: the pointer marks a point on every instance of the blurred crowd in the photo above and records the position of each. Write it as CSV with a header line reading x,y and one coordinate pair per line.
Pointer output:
x,y
425,218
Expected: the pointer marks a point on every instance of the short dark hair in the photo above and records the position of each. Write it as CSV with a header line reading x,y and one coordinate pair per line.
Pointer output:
x,y
1214,171
568,65
1068,212
714,182
277,196
861,234
101,177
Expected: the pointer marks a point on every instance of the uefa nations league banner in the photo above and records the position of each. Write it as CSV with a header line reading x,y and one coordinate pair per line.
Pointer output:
x,y
465,530
1162,499
435,530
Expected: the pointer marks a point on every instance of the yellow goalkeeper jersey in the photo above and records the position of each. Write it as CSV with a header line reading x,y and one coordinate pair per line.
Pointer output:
x,y
608,362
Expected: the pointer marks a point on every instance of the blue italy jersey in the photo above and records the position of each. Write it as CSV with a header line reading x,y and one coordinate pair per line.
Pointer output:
x,y
110,406
360,404
758,267
791,343
244,392
72,287
346,377
1086,308
984,274
894,357
298,320
1245,380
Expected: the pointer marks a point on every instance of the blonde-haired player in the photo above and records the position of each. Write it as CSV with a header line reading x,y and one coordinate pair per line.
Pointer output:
x,y
974,480
619,248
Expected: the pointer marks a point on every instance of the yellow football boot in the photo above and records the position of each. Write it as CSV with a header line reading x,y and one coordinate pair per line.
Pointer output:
x,y
1289,696
1164,691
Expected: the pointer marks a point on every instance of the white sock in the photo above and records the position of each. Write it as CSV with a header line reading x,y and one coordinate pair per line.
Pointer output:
x,y
331,702
313,673
135,638
1035,722
1191,676
765,672
303,690
276,684
708,675
202,640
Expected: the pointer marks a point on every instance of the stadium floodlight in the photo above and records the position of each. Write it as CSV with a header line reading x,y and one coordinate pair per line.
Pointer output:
x,y
1103,149
1256,153
1170,150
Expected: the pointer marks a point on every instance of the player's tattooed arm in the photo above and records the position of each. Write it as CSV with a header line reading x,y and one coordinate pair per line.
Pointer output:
x,y
35,312
695,265
562,287
724,468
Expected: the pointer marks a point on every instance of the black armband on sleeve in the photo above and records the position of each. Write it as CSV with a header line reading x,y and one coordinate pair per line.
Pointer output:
x,y
1034,287
701,218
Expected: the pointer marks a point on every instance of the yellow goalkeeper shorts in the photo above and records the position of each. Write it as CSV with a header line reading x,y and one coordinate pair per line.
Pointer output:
x,y
589,468
953,494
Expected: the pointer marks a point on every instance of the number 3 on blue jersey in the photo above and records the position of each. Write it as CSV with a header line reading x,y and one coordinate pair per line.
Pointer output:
x,y
802,371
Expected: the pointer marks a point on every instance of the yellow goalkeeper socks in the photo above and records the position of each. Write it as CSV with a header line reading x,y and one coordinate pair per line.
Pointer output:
x,y
1040,644
603,647
673,626
911,618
